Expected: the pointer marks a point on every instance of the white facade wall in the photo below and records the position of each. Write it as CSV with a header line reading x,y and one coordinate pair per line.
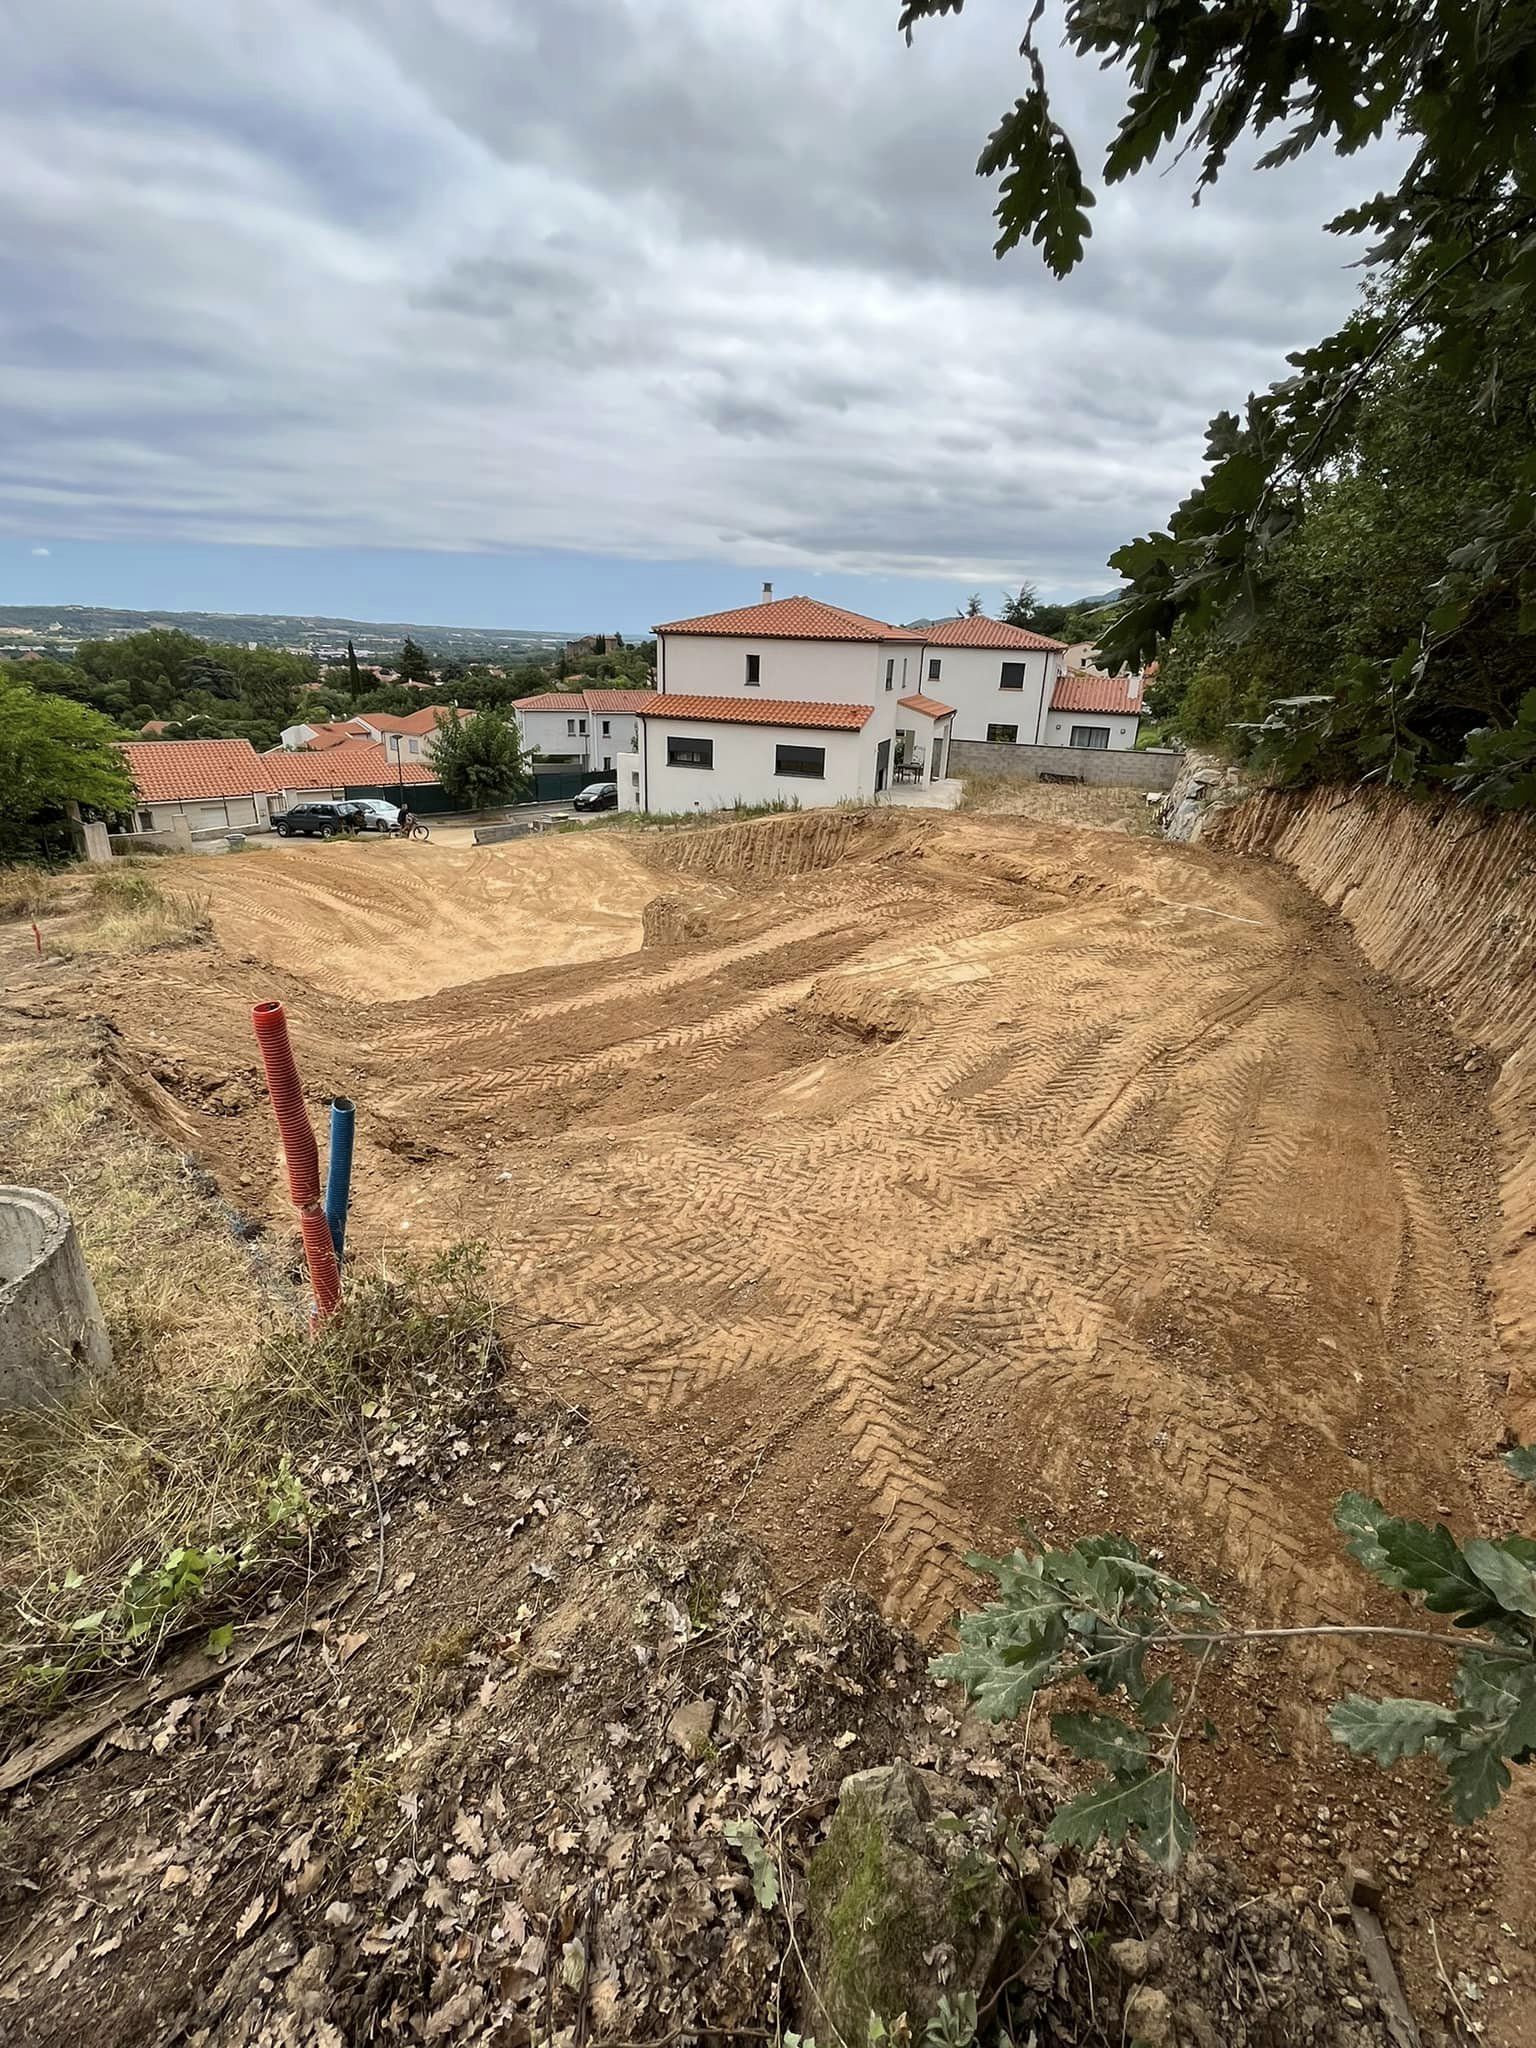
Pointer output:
x,y
610,734
289,799
549,732
970,678
743,770
1059,724
808,671
208,815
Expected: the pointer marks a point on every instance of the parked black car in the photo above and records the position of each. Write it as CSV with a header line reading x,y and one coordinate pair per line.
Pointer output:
x,y
324,820
597,796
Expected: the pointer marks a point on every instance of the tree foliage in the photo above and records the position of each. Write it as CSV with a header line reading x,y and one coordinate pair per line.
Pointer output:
x,y
1101,1612
1458,240
1076,620
52,752
414,665
480,759
202,689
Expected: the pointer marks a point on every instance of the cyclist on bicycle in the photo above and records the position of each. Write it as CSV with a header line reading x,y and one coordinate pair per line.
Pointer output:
x,y
405,823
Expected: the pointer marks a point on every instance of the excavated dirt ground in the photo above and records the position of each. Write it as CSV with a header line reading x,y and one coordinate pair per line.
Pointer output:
x,y
913,1175
380,919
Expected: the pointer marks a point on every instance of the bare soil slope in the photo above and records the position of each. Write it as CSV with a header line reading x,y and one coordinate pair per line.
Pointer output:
x,y
384,920
964,1137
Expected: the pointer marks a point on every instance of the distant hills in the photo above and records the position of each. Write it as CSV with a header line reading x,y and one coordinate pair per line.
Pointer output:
x,y
64,626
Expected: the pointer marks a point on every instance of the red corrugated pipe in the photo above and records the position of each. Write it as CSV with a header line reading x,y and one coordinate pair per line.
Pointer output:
x,y
299,1152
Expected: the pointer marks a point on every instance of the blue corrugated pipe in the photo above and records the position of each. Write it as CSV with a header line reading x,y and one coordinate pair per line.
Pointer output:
x,y
338,1172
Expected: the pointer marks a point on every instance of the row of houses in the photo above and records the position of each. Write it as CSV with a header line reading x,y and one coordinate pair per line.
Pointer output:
x,y
404,738
793,698
785,699
208,787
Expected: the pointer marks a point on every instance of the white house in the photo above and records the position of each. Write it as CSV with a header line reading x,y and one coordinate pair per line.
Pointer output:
x,y
793,700
591,727
1094,711
799,700
999,678
405,739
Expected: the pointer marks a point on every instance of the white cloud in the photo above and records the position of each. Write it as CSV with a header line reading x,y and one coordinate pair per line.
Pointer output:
x,y
42,551
650,277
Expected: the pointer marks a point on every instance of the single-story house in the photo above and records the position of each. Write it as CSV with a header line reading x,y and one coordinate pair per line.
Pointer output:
x,y
708,753
354,767
202,787
1094,711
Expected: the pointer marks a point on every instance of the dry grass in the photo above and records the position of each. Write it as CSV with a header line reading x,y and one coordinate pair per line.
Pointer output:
x,y
127,912
1055,803
186,1449
133,1459
27,892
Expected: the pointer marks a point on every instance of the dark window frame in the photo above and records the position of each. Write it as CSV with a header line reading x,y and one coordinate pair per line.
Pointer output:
x,y
676,740
995,732
754,671
816,774
890,673
933,668
1095,738
1009,670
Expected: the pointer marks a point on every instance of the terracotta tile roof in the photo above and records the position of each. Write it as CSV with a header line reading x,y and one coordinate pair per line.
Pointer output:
x,y
552,700
587,700
761,711
354,764
185,771
930,707
414,724
1081,690
337,735
619,700
792,618
984,632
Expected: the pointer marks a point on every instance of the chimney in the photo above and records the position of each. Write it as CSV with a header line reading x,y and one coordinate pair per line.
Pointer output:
x,y
767,593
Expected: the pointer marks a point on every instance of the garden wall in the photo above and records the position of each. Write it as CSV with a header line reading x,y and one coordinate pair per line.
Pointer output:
x,y
1122,768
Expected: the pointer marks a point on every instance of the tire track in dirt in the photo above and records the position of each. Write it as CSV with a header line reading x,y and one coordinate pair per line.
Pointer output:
x,y
963,1169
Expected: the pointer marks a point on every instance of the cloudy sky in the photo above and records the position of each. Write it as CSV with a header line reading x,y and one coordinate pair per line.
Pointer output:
x,y
552,312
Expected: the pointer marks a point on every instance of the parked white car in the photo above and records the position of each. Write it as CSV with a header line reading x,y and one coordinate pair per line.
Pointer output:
x,y
379,816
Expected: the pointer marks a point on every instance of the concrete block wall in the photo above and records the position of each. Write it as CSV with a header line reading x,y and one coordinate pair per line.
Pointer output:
x,y
1103,768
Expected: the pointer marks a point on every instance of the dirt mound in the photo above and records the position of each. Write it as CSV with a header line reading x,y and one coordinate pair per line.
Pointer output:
x,y
766,848
668,921
385,921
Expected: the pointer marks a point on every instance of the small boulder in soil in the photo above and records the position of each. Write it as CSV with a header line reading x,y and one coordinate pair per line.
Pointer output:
x,y
901,1909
